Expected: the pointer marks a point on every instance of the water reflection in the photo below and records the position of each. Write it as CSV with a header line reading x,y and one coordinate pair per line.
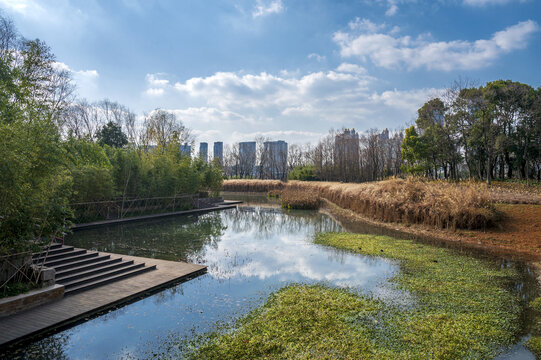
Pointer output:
x,y
251,251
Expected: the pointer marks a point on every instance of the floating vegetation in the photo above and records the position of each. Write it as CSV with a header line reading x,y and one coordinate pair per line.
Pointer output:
x,y
463,309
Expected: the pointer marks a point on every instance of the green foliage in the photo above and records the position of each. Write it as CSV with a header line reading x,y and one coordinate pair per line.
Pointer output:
x,y
536,304
34,187
12,289
461,308
212,177
534,344
111,134
92,183
413,152
303,173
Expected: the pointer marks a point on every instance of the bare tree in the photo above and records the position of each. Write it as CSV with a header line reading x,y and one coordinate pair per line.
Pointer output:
x,y
162,127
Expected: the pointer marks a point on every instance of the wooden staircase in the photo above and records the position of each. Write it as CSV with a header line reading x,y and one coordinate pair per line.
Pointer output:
x,y
80,269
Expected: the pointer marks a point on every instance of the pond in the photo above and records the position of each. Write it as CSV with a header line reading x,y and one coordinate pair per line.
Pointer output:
x,y
250,251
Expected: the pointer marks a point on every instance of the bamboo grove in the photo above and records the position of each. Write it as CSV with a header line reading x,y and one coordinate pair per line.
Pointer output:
x,y
56,149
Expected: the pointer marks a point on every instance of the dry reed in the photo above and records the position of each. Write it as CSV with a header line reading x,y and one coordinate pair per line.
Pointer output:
x,y
252,185
294,199
414,201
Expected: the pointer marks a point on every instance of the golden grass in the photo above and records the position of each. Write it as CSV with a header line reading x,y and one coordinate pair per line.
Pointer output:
x,y
252,185
294,199
439,204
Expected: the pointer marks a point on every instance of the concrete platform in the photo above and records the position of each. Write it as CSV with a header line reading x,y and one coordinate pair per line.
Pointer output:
x,y
78,307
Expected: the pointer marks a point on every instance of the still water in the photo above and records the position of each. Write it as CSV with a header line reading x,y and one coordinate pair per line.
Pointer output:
x,y
250,251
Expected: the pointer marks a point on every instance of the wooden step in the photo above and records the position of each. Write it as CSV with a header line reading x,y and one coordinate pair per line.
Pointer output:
x,y
56,256
84,261
100,282
98,270
67,260
100,262
53,251
103,275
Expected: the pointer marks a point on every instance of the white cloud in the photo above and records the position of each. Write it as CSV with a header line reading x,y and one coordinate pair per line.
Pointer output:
x,y
86,81
392,10
154,91
24,7
386,50
351,68
154,80
318,57
294,107
264,8
365,25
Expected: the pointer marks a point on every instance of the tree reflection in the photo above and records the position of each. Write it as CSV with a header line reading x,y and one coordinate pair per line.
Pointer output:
x,y
167,239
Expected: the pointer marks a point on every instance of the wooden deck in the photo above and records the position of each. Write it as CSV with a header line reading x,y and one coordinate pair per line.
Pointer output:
x,y
79,307
227,204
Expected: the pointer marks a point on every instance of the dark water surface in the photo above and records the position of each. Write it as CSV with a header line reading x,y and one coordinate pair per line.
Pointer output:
x,y
250,252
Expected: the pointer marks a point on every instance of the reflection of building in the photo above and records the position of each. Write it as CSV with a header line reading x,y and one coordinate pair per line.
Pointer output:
x,y
219,151
246,166
346,155
185,149
204,151
274,159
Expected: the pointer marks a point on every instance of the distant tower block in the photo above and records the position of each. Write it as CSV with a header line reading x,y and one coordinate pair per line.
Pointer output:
x,y
247,158
185,149
219,151
204,151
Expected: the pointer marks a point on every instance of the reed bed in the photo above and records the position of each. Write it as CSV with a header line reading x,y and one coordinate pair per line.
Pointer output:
x,y
252,185
410,201
303,200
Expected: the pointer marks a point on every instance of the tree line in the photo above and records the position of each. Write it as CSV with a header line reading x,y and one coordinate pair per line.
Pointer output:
x,y
56,150
487,132
469,132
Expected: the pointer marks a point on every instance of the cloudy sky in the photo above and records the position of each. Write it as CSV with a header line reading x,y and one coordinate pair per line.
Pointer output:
x,y
284,69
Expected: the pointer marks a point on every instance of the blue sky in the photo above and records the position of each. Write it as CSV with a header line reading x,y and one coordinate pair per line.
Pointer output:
x,y
284,69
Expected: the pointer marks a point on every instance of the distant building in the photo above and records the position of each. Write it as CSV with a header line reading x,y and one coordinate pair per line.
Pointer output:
x,y
346,155
185,149
384,135
219,151
246,162
204,151
274,160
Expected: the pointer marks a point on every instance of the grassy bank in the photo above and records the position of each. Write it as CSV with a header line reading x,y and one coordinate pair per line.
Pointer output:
x,y
439,204
462,308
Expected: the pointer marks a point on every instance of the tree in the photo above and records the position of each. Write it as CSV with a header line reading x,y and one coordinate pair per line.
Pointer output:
x,y
413,152
111,134
162,127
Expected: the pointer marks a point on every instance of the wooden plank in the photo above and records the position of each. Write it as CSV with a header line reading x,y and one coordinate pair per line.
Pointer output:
x,y
67,310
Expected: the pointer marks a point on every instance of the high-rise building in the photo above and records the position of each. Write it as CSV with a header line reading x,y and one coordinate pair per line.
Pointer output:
x,y
274,160
204,151
219,151
346,155
185,149
246,162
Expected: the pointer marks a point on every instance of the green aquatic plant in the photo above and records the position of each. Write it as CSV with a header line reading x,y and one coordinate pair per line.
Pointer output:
x,y
459,307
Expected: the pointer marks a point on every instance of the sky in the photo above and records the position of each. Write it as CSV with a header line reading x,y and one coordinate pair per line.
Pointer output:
x,y
283,69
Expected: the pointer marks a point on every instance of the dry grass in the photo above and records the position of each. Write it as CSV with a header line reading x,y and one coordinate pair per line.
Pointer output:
x,y
515,193
294,199
252,185
410,201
